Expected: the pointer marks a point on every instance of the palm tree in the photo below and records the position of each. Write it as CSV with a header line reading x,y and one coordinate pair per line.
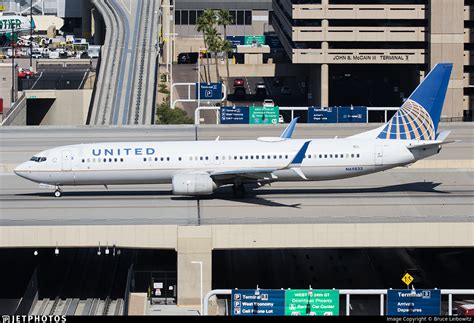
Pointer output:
x,y
224,18
215,44
205,24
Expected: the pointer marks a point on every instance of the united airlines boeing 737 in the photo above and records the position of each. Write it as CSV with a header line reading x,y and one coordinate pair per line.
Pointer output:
x,y
200,167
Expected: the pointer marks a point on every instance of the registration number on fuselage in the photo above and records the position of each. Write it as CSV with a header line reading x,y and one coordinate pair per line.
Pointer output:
x,y
354,169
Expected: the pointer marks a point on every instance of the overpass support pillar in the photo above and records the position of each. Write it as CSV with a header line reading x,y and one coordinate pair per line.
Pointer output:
x,y
319,85
194,245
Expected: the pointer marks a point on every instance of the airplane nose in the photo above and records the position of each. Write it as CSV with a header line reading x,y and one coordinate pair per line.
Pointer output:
x,y
21,170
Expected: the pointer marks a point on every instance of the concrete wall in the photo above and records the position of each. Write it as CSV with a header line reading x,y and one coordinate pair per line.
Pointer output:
x,y
6,84
195,243
70,107
447,45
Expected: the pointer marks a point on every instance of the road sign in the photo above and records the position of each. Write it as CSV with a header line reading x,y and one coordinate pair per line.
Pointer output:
x,y
210,91
261,302
419,302
249,40
351,114
236,40
312,302
2,8
234,115
407,279
322,115
264,115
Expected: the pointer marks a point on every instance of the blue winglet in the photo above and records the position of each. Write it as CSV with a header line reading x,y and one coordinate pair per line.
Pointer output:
x,y
300,155
289,130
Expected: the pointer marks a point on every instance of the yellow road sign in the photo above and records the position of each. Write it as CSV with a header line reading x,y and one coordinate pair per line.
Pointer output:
x,y
407,279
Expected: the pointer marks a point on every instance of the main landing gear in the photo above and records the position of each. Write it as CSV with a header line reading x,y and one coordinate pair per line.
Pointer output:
x,y
58,192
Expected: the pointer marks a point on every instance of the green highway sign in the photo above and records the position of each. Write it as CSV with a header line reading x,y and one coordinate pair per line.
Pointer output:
x,y
264,115
249,40
312,302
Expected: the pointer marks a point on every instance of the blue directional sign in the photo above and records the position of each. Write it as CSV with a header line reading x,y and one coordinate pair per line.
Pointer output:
x,y
236,40
351,114
322,115
210,91
273,42
419,302
234,115
261,302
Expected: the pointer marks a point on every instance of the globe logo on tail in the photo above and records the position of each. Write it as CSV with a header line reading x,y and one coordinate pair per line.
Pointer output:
x,y
411,122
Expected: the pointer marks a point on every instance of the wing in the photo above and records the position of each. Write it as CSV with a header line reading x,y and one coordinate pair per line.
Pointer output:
x,y
262,174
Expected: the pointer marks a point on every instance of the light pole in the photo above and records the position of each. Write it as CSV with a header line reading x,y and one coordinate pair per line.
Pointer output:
x,y
31,35
200,271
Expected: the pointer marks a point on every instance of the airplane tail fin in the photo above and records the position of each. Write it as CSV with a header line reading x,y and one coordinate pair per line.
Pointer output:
x,y
418,117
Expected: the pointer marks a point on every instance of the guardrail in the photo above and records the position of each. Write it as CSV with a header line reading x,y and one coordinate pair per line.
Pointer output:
x,y
63,62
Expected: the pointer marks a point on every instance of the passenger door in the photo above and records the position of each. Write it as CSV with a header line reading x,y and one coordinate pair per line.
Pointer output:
x,y
66,164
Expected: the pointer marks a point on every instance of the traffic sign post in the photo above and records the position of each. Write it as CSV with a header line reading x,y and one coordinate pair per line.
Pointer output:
x,y
407,279
264,115
312,302
209,91
419,302
260,302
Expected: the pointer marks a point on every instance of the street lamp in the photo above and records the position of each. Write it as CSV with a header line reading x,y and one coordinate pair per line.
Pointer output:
x,y
200,271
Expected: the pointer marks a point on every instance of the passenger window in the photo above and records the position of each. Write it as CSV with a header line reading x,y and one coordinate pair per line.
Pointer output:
x,y
347,155
342,155
179,158
286,156
110,160
121,159
241,157
246,157
257,157
325,156
156,159
235,157
280,156
352,155
358,155
330,155
105,160
115,160
200,158
269,157
144,159
217,157
335,156
167,158
274,157
83,160
309,156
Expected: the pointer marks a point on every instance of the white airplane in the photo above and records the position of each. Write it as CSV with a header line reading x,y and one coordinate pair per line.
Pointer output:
x,y
14,23
200,167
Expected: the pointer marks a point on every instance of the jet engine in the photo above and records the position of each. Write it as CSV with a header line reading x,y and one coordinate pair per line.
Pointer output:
x,y
193,184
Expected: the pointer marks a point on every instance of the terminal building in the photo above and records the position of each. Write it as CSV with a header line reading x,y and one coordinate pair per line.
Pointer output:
x,y
372,52
375,51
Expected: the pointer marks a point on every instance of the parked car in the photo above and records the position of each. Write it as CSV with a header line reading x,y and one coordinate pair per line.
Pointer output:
x,y
53,54
239,82
268,103
285,90
36,54
188,58
25,73
466,310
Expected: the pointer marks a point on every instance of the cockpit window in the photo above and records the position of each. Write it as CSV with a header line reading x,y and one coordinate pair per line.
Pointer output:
x,y
38,159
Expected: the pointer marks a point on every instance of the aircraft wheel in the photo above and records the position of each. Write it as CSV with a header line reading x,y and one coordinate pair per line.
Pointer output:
x,y
57,193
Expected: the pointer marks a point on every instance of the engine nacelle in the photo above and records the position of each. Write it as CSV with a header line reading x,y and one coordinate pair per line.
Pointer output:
x,y
193,184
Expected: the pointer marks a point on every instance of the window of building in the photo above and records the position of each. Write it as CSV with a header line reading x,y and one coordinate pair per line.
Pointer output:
x,y
192,17
184,17
199,13
240,17
248,17
177,17
234,16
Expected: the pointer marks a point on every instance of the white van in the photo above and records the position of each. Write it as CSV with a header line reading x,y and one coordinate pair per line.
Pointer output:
x,y
54,54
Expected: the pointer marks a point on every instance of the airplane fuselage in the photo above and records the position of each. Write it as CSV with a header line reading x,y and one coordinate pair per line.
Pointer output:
x,y
158,162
